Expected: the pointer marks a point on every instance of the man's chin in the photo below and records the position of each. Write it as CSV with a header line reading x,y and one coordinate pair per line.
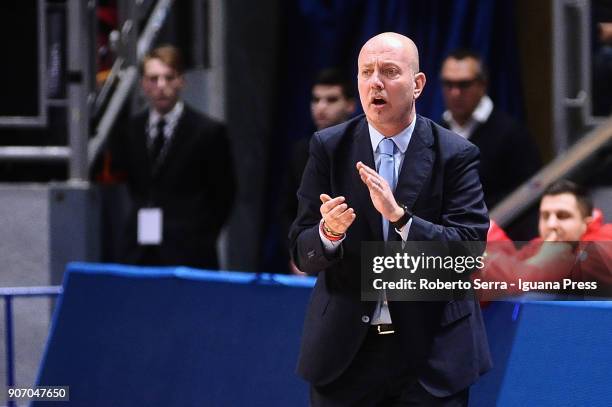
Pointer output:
x,y
163,107
377,116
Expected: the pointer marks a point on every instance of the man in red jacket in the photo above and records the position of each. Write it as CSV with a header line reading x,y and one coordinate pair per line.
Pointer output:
x,y
574,247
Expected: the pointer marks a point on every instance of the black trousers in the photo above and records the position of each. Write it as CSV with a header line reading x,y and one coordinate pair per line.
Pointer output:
x,y
380,376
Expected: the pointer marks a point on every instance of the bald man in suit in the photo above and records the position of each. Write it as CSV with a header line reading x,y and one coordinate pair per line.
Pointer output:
x,y
371,353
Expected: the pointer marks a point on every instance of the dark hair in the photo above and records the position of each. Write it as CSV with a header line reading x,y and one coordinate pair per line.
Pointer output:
x,y
583,198
168,54
463,53
333,76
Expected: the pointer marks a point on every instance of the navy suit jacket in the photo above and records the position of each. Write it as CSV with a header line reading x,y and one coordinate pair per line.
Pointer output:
x,y
508,155
438,181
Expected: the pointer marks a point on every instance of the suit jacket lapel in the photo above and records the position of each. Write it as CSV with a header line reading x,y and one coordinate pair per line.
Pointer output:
x,y
364,207
142,158
417,164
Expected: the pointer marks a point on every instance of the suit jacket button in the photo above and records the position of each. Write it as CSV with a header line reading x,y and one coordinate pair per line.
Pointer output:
x,y
365,319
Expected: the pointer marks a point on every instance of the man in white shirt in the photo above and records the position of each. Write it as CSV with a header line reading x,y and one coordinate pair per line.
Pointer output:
x,y
508,155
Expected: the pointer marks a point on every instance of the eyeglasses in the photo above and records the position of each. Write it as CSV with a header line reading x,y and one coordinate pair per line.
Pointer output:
x,y
459,84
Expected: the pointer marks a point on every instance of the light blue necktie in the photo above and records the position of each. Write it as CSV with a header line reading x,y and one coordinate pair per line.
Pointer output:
x,y
386,170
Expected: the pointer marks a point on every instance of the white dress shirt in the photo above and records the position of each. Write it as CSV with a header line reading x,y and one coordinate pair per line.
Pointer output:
x,y
479,115
171,118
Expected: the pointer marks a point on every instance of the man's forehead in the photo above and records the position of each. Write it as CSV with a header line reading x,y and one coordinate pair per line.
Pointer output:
x,y
565,201
379,60
457,66
384,57
327,89
157,67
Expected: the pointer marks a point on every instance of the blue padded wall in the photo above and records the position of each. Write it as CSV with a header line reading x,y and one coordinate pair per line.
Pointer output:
x,y
126,336
129,336
562,356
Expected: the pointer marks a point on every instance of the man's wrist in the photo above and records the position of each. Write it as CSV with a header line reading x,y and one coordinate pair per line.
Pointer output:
x,y
404,217
329,233
397,214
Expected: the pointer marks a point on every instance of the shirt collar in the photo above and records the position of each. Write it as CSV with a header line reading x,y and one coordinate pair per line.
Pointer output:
x,y
480,114
401,139
171,117
483,110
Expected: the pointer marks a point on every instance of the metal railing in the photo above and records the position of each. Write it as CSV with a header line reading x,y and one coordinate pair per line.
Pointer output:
x,y
565,164
126,76
81,151
9,293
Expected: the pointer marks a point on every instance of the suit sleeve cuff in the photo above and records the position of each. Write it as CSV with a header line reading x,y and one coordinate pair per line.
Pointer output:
x,y
403,232
330,246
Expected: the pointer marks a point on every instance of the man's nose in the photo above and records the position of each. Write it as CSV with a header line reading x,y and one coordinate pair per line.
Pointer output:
x,y
552,221
454,91
319,105
376,81
161,82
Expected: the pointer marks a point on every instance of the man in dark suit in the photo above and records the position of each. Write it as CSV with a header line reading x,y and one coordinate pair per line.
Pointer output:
x,y
387,352
179,171
508,154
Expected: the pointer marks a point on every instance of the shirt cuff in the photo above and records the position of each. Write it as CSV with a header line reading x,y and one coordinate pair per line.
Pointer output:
x,y
403,232
329,246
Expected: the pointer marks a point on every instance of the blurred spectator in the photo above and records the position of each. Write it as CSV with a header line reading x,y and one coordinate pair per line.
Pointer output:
x,y
508,155
179,172
573,243
333,102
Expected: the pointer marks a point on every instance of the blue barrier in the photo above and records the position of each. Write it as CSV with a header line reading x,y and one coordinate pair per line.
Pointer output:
x,y
125,336
128,336
562,356
550,353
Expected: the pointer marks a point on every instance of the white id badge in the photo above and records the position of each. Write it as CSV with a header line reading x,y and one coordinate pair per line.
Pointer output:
x,y
150,226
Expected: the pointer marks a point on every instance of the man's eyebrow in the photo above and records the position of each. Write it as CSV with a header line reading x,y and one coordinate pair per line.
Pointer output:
x,y
381,63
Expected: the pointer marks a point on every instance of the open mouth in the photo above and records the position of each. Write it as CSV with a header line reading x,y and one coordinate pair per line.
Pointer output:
x,y
379,101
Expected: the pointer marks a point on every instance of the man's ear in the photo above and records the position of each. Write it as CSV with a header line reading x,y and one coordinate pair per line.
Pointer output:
x,y
419,84
587,223
181,80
